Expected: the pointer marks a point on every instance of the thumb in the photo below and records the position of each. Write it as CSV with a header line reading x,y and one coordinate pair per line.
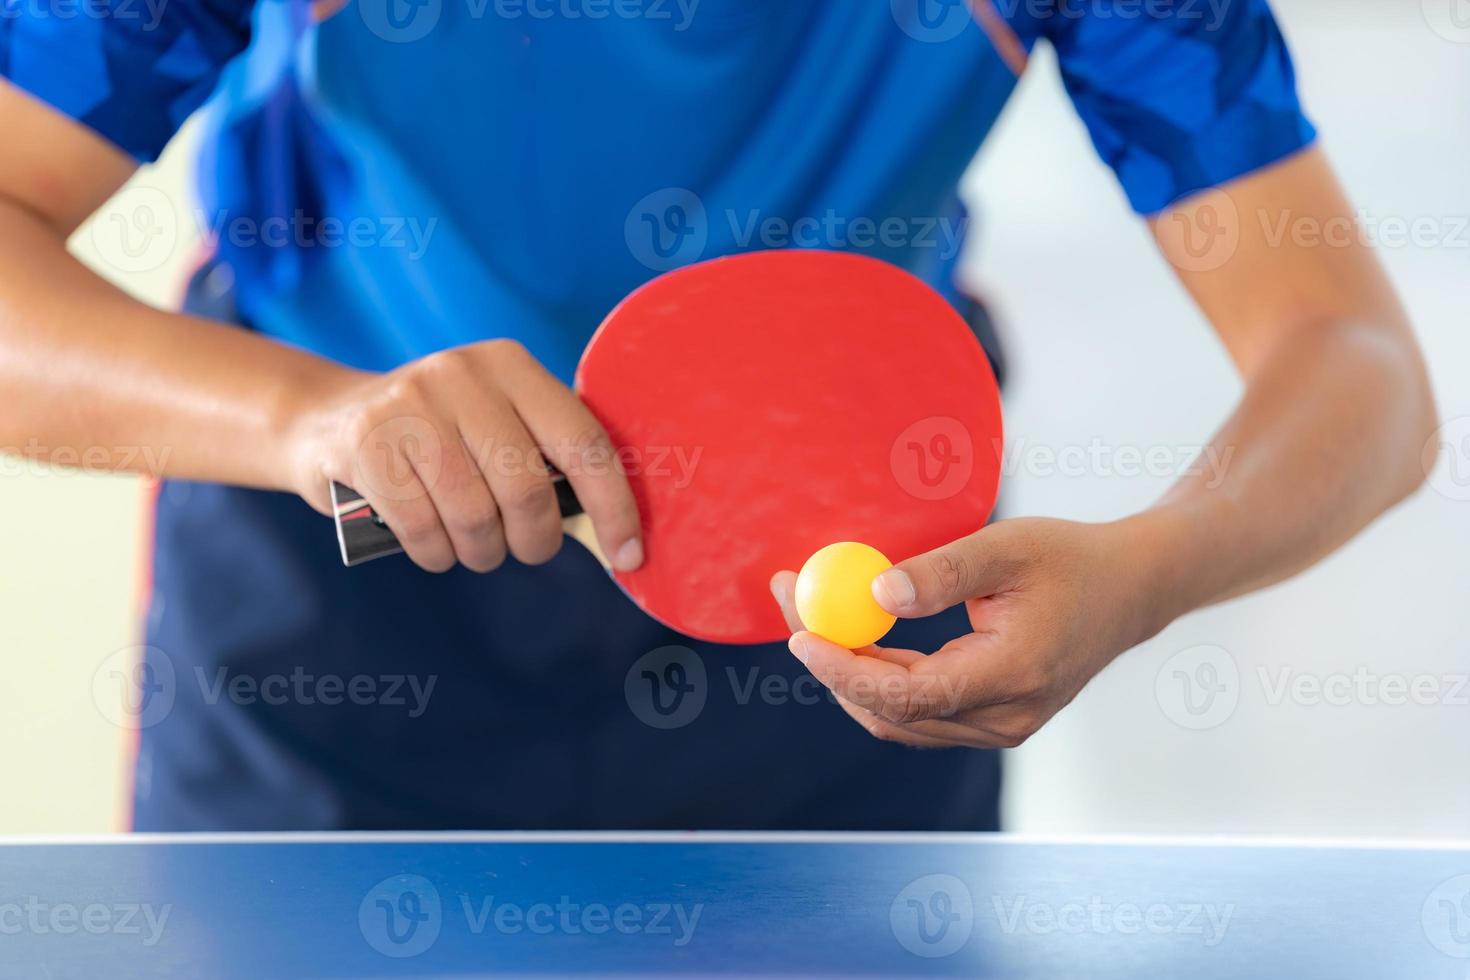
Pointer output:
x,y
929,583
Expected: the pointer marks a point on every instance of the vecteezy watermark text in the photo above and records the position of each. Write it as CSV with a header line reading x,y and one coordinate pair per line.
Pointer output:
x,y
943,235
402,916
569,918
672,227
305,231
1021,913
668,688
36,458
137,687
406,21
1200,687
39,917
1210,13
304,688
1099,458
148,14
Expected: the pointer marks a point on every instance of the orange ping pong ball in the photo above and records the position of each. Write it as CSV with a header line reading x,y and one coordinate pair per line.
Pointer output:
x,y
834,595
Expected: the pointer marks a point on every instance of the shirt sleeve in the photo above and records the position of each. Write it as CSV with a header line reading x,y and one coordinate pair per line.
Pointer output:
x,y
1177,95
132,70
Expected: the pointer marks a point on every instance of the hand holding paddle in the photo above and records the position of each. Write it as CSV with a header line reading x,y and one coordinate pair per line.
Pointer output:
x,y
452,452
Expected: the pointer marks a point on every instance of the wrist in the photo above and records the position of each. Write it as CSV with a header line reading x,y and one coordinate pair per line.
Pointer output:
x,y
303,423
1161,562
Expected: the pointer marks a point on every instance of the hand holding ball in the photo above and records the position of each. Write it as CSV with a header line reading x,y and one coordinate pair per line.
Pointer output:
x,y
834,595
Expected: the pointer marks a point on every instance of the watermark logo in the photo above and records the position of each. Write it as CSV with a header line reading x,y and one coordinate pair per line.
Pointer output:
x,y
1446,917
146,14
36,458
137,230
1211,13
675,465
303,231
38,917
400,21
409,692
674,920
670,687
1363,227
944,236
672,227
933,459
667,229
1198,688
678,14
135,687
1447,459
1362,687
931,21
1201,235
1096,916
401,916
1098,458
933,916
399,459
667,688
1450,19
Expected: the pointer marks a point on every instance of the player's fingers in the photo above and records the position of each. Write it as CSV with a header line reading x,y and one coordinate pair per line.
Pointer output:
x,y
1005,693
382,468
783,587
462,501
518,479
936,734
410,514
895,655
577,444
885,688
433,447
470,515
974,672
886,731
982,727
932,582
958,733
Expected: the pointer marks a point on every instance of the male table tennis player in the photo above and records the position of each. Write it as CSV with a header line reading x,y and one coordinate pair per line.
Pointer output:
x,y
541,141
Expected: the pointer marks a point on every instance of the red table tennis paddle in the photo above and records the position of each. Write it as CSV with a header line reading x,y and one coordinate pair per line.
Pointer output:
x,y
766,405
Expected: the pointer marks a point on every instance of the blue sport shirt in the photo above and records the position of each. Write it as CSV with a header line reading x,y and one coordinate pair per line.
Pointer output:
x,y
381,179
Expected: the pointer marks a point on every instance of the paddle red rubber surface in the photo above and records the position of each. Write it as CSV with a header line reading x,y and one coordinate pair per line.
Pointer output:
x,y
768,404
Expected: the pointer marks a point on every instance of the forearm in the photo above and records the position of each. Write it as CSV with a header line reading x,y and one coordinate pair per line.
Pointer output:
x,y
1327,437
98,379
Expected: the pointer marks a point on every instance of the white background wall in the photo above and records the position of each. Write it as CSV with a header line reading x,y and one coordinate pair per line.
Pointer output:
x,y
1108,353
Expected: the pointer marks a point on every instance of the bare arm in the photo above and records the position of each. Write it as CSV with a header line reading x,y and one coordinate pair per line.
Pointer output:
x,y
95,374
1337,406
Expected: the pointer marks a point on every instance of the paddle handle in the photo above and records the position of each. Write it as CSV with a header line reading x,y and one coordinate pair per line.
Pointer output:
x,y
363,535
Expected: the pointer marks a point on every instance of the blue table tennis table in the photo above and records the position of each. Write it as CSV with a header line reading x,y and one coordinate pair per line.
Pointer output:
x,y
473,905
